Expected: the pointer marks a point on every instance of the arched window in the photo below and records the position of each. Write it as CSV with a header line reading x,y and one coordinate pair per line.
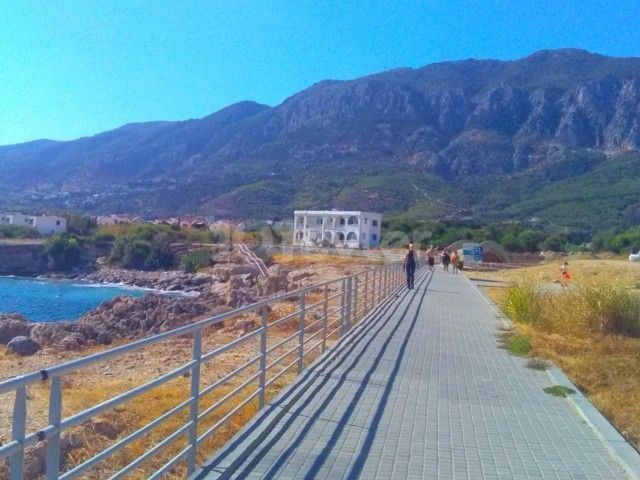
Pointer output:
x,y
299,236
328,237
340,237
352,221
352,237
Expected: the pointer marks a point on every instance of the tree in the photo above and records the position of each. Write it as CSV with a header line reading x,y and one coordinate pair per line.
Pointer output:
x,y
81,224
64,251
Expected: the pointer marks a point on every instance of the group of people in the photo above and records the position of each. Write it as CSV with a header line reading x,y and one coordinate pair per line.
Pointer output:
x,y
411,259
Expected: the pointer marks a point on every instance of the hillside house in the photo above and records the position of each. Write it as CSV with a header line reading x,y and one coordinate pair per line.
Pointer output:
x,y
337,228
43,224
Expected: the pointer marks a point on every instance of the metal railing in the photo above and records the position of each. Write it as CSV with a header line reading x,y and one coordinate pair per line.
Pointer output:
x,y
253,258
323,313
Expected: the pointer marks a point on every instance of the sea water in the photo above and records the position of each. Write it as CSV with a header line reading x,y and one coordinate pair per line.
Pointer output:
x,y
53,300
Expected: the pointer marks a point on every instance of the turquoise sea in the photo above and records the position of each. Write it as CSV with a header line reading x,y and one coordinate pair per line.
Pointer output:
x,y
52,300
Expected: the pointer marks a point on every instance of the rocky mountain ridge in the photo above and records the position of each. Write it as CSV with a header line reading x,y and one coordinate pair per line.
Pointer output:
x,y
549,117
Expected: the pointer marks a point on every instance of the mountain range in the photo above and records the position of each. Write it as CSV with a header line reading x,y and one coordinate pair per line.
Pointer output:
x,y
552,137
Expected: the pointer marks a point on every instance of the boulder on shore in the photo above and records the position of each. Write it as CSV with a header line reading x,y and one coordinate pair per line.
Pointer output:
x,y
12,325
23,346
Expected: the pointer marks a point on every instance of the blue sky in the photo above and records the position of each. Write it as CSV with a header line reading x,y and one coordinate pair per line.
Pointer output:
x,y
75,68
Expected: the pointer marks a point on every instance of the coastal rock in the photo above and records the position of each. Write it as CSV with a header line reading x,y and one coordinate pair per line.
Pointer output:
x,y
130,318
234,293
22,346
12,325
227,257
73,341
170,280
103,338
199,279
245,270
221,273
277,281
51,334
35,456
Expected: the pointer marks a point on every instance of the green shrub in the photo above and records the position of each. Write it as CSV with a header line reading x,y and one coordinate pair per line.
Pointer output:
x,y
191,262
139,253
519,345
81,224
64,251
522,303
559,391
613,308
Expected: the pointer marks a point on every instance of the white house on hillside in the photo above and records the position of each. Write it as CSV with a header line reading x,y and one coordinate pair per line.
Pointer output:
x,y
44,224
339,228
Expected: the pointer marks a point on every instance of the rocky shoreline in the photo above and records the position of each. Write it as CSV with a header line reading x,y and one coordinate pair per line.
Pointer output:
x,y
230,284
162,281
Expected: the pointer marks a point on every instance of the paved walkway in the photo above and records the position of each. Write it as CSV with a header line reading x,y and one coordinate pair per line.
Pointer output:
x,y
419,392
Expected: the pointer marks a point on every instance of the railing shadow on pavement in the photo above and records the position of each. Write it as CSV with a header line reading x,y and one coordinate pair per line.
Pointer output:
x,y
387,315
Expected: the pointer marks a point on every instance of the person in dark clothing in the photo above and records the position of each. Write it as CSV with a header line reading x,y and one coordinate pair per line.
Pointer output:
x,y
446,260
410,265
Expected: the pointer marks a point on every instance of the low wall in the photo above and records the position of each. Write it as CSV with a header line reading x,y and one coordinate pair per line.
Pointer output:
x,y
22,259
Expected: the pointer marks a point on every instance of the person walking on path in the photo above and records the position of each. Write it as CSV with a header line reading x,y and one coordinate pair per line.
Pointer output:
x,y
446,259
454,261
410,264
431,260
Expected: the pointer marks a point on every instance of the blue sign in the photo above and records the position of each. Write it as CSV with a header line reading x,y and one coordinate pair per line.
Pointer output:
x,y
477,253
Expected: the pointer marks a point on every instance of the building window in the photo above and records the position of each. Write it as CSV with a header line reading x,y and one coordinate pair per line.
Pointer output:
x,y
342,221
364,236
374,223
366,221
318,221
374,237
57,222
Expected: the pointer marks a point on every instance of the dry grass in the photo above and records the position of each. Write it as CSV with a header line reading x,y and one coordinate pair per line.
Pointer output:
x,y
299,260
604,365
582,270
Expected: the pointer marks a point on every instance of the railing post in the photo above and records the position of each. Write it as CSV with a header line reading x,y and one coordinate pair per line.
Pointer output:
x,y
301,334
52,469
325,316
18,432
355,299
343,302
380,281
386,281
366,290
195,401
373,287
349,297
263,356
